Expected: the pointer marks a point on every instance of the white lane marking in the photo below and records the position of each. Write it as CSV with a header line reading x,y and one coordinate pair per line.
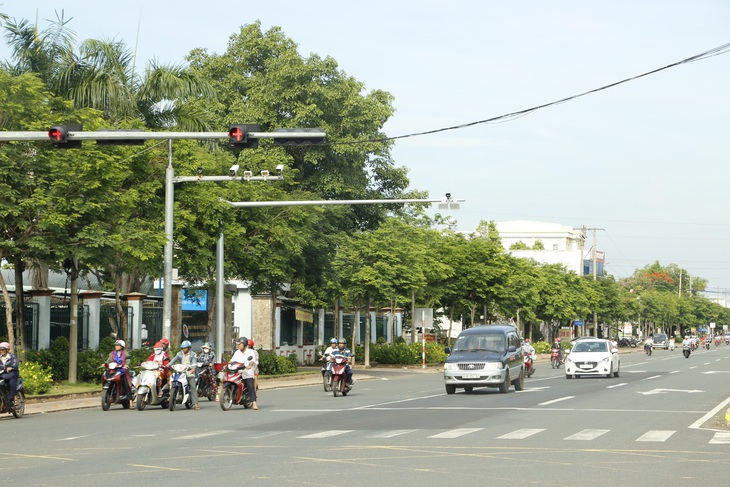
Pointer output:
x,y
706,363
72,438
693,367
675,372
587,435
662,391
616,385
556,400
717,359
636,371
326,434
202,435
265,434
697,424
391,434
533,389
652,377
456,433
656,435
717,372
720,439
520,434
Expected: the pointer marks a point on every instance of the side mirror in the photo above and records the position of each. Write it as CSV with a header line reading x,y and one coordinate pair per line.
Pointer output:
x,y
512,349
447,350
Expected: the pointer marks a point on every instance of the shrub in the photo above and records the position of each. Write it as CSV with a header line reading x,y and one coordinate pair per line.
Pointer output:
x,y
37,379
106,345
55,358
284,365
294,359
267,363
400,341
88,366
541,347
136,356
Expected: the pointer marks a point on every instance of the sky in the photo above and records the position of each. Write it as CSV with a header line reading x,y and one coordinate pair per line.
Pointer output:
x,y
645,161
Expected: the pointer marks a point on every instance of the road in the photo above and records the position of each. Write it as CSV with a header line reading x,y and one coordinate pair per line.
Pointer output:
x,y
653,425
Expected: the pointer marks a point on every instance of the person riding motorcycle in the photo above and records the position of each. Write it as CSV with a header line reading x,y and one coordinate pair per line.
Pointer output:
x,y
119,356
161,358
649,343
327,356
527,348
558,346
9,372
206,359
256,360
344,351
246,357
186,357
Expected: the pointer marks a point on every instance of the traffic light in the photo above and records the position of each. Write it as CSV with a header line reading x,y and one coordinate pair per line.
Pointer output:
x,y
59,136
289,137
238,136
120,141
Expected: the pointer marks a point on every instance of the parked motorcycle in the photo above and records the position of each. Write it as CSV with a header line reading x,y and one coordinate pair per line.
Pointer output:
x,y
233,389
339,376
206,384
151,389
113,390
18,408
529,365
686,349
327,373
180,387
555,358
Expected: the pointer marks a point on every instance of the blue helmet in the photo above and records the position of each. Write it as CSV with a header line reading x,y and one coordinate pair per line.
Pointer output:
x,y
334,340
186,344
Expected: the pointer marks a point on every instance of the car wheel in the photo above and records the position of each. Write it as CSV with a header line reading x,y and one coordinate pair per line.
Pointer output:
x,y
568,376
504,386
520,382
615,374
450,389
610,373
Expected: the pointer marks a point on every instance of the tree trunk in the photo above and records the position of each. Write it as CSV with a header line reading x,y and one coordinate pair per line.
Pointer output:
x,y
367,332
273,318
451,319
337,322
19,304
392,320
73,348
9,315
413,316
356,327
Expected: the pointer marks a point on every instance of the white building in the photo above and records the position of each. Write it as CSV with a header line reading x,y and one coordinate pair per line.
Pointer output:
x,y
562,244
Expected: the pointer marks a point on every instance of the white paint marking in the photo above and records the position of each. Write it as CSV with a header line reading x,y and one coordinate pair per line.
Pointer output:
x,y
652,377
534,389
202,435
587,435
520,434
693,367
326,434
616,385
720,439
716,372
391,434
656,435
556,400
73,438
662,391
675,372
456,433
697,424
706,363
266,434
636,371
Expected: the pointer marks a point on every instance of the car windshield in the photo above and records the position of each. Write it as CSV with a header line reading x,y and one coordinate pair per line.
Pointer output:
x,y
474,343
590,347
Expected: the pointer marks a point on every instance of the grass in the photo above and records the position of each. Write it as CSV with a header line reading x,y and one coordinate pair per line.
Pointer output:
x,y
64,387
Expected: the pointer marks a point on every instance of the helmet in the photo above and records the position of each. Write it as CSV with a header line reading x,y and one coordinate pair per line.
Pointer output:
x,y
342,340
207,345
186,344
242,340
165,342
120,343
158,344
4,346
334,340
250,342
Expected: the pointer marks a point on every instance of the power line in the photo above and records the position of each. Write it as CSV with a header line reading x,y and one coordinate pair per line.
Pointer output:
x,y
716,51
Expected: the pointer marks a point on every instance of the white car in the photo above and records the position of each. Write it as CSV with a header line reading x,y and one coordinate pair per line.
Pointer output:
x,y
593,356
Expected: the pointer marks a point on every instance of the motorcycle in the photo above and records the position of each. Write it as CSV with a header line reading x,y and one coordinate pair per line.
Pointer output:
x,y
529,365
339,376
18,408
180,387
113,390
648,349
327,373
206,384
233,389
150,387
686,349
555,358
707,344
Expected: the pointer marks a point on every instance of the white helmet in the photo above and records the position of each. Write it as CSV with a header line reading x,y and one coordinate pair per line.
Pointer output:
x,y
121,343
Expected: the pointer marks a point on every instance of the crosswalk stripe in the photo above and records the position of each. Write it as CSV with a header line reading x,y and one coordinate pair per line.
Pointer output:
x,y
656,435
520,434
456,433
720,439
587,435
326,434
391,434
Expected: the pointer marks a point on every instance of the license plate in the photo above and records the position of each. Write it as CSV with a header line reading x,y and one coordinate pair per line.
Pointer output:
x,y
586,366
470,376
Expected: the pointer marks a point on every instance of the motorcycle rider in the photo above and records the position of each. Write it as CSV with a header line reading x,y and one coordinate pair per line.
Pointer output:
x,y
189,359
649,343
256,359
119,355
161,358
246,357
529,351
206,358
344,351
9,372
327,356
558,346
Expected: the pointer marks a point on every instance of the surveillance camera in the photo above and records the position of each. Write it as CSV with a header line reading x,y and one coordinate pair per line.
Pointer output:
x,y
448,196
234,169
279,169
265,173
199,170
247,175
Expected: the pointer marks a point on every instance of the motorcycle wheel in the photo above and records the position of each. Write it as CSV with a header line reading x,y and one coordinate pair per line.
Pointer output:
x,y
246,400
19,407
326,383
555,363
173,397
141,401
336,387
343,390
105,398
226,399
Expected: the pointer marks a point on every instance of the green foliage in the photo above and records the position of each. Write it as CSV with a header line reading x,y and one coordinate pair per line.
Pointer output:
x,y
541,347
284,365
399,340
406,354
88,368
267,363
106,345
138,355
55,358
37,379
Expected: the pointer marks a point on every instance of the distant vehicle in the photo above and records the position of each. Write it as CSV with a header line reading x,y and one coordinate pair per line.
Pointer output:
x,y
628,342
485,356
592,357
661,341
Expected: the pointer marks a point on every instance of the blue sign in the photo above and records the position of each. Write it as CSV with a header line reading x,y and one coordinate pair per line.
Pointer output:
x,y
577,323
194,300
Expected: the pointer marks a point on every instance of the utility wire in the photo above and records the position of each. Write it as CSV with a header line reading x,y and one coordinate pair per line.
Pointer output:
x,y
716,51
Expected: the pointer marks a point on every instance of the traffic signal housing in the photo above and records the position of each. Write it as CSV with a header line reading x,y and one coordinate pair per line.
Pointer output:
x,y
238,136
59,136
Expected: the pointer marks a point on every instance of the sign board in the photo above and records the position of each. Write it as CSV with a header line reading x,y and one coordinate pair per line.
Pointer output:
x,y
577,323
712,325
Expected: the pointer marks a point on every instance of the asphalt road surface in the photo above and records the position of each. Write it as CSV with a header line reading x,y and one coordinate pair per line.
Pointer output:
x,y
658,423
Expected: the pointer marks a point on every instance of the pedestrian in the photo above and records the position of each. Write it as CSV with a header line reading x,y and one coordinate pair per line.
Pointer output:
x,y
190,360
9,372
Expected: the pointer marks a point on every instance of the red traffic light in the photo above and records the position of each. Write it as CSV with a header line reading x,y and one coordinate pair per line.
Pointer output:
x,y
56,134
59,136
239,136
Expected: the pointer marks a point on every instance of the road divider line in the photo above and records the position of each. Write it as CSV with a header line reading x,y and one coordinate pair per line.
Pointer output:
x,y
556,400
698,424
391,434
616,385
326,434
652,377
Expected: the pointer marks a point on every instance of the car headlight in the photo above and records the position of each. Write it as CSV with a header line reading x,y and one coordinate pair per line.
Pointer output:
x,y
451,366
493,366
569,360
606,359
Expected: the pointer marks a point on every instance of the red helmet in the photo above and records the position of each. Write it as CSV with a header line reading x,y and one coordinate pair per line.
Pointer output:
x,y
165,341
158,344
250,342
